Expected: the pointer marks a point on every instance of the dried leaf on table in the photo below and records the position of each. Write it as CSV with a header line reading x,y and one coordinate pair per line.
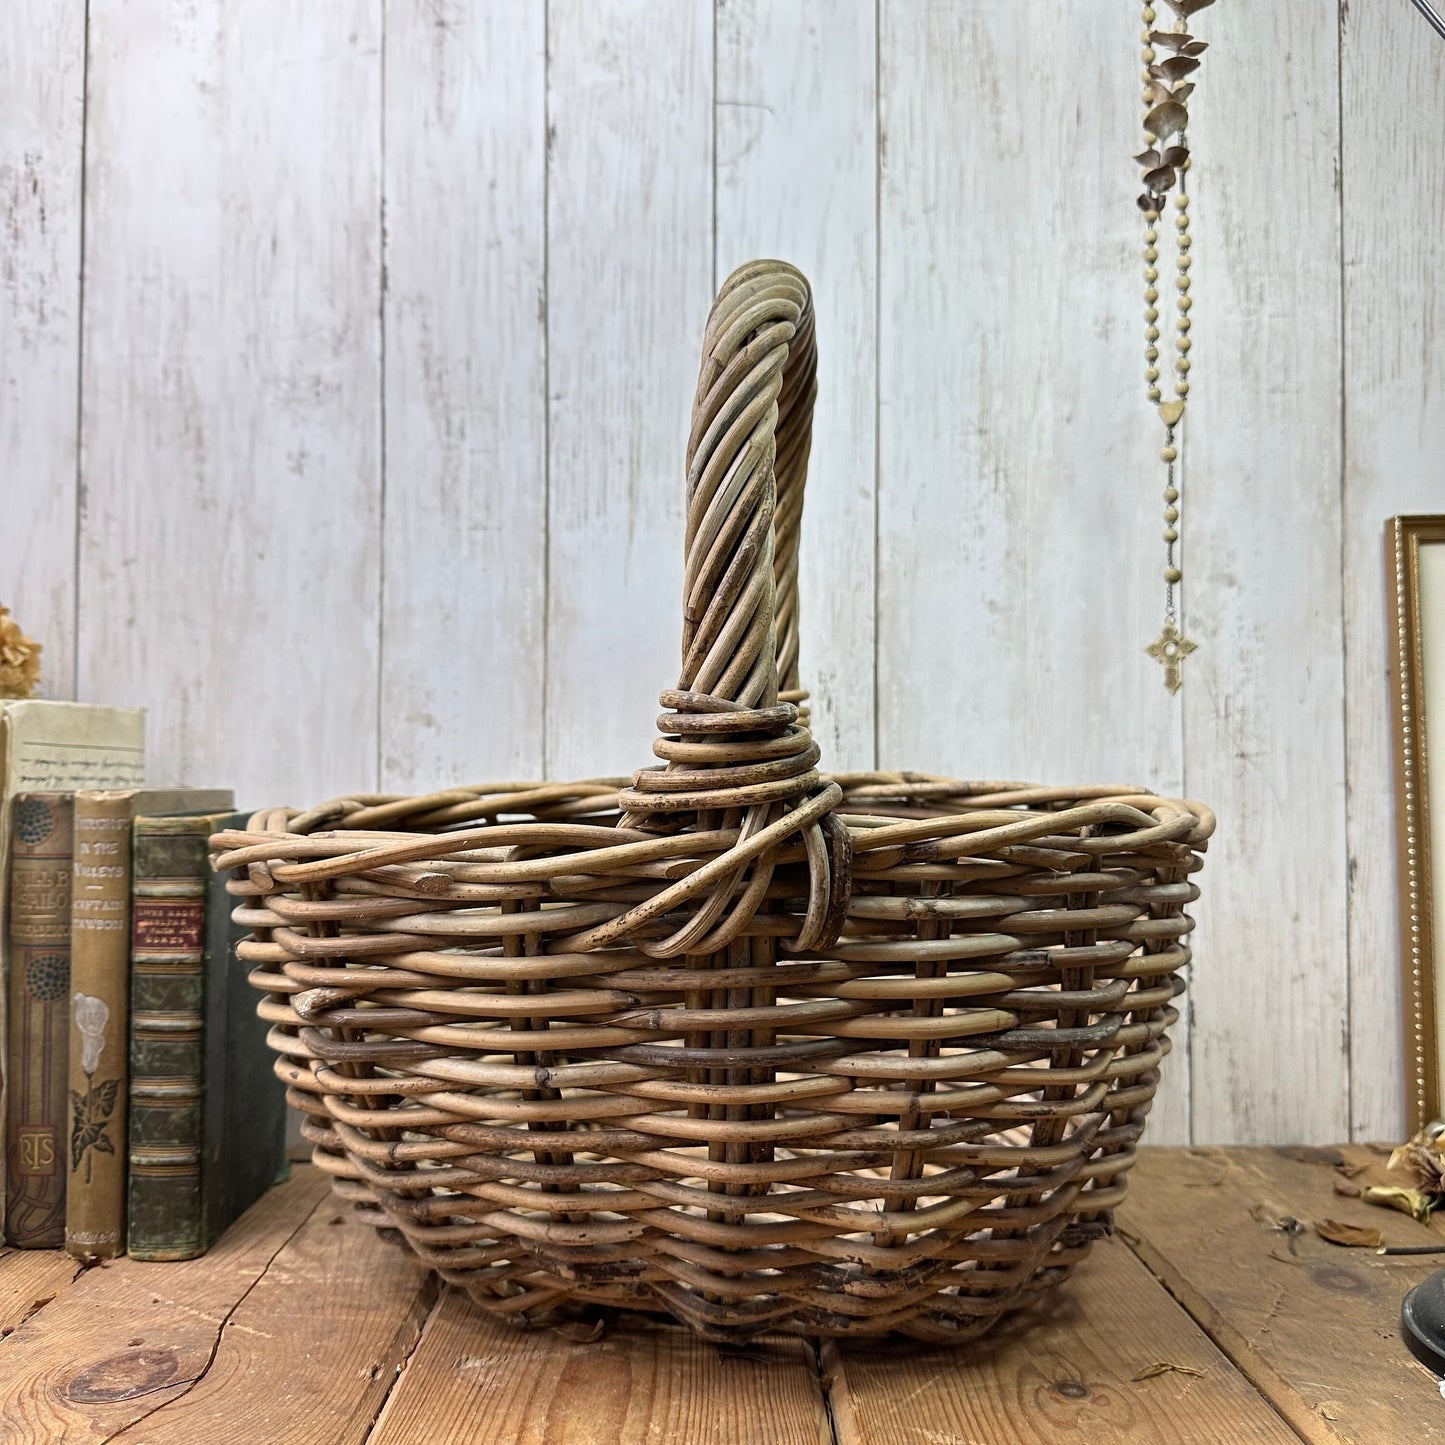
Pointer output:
x,y
1167,1367
1347,1188
1352,1236
1351,1169
1414,1202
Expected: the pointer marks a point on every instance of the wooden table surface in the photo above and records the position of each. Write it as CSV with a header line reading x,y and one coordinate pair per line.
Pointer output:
x,y
1205,1319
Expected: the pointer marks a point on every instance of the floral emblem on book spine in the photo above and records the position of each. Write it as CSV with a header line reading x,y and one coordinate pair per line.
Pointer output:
x,y
91,1111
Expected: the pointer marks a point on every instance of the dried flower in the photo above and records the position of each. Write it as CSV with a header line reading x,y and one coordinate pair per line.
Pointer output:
x,y
19,659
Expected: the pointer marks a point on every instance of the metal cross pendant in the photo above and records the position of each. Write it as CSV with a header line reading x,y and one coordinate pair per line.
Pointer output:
x,y
1170,649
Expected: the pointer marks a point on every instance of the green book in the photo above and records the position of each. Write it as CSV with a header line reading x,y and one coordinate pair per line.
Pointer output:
x,y
207,1122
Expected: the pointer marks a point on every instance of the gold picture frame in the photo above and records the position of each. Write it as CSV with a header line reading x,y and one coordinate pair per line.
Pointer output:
x,y
1415,547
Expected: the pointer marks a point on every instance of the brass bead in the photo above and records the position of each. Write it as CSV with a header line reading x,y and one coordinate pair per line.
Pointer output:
x,y
1171,514
1185,303
1152,333
1171,534
1185,262
1148,14
1150,314
1182,284
1182,201
1181,222
1182,343
1150,254
1150,274
1185,241
1171,494
1148,53
1151,373
1151,353
1151,295
1151,234
1182,365
1172,574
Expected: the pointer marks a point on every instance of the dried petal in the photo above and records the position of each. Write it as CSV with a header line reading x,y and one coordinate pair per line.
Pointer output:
x,y
1195,47
1175,156
1352,1236
1167,118
1183,92
1185,8
1159,92
1148,159
1147,203
1347,1188
1160,180
1166,1367
1174,40
1413,1202
1175,68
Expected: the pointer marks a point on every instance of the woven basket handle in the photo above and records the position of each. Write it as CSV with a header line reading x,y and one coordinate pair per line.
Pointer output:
x,y
738,757
747,462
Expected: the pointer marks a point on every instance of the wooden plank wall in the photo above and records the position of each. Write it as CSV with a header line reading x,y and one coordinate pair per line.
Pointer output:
x,y
347,358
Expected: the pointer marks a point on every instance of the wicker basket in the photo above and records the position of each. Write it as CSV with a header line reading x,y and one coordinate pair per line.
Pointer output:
x,y
739,1041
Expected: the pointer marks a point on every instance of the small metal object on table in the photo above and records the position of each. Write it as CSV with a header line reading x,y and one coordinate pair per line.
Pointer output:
x,y
1214,1314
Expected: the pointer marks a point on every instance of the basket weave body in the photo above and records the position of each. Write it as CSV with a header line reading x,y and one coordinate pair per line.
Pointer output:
x,y
739,1041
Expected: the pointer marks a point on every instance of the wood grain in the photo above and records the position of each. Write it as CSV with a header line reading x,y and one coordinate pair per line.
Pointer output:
x,y
30,1279
1392,75
1313,1325
477,1377
797,118
127,1337
1070,1371
42,77
1019,509
629,258
1264,702
466,488
334,1318
230,440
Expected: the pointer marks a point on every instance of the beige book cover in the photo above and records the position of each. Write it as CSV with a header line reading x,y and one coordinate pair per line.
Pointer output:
x,y
58,747
100,948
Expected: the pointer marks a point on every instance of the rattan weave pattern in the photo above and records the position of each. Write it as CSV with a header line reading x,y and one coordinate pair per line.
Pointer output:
x,y
736,1040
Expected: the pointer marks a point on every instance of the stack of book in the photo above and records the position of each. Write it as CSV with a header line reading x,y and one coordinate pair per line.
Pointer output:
x,y
141,1113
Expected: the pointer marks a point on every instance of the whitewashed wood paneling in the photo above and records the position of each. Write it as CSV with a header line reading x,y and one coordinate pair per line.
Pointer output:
x,y
466,486
629,282
1393,163
1264,703
230,450
490,232
42,79
797,175
1019,521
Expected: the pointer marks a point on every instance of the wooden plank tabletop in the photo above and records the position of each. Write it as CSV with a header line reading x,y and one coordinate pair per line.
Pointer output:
x,y
1215,1315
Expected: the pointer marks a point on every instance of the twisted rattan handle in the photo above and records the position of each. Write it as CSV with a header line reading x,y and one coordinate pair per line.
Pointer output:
x,y
747,461
739,758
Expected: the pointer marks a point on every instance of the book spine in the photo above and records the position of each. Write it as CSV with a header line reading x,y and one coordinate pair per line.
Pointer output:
x,y
246,1111
167,1066
38,992
100,946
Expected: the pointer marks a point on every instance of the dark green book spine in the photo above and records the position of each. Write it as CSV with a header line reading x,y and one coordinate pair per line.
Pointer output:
x,y
167,1016
208,1126
245,1124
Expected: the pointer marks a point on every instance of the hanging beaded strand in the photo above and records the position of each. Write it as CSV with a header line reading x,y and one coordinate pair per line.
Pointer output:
x,y
1165,115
